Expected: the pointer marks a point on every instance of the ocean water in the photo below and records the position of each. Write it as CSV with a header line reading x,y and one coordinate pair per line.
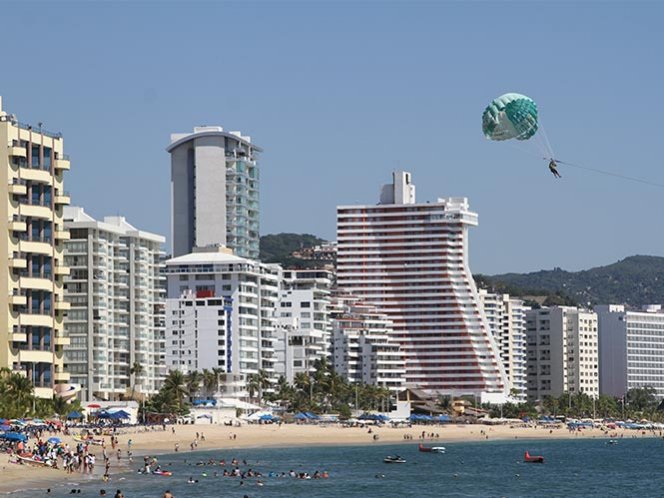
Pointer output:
x,y
584,468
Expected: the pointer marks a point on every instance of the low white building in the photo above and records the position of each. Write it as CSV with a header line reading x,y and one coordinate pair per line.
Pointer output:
x,y
363,349
631,349
562,352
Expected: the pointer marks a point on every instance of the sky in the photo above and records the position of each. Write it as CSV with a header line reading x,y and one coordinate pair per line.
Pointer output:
x,y
340,94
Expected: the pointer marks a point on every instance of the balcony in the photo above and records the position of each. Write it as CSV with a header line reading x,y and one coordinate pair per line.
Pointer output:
x,y
61,341
27,246
19,337
62,163
62,306
34,356
36,175
61,376
17,151
36,320
36,283
18,300
62,198
62,270
62,235
18,189
36,211
18,226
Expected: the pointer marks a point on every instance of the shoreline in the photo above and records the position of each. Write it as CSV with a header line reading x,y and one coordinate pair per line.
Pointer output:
x,y
220,438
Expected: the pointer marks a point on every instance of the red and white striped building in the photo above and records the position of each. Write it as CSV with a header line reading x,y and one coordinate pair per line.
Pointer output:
x,y
411,261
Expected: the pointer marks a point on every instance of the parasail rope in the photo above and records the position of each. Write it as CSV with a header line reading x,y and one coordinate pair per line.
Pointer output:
x,y
608,173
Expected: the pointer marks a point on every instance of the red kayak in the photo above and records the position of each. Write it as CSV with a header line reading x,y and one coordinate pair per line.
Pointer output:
x,y
533,458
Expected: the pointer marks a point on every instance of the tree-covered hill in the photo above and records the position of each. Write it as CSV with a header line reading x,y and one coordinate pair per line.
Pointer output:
x,y
278,248
635,280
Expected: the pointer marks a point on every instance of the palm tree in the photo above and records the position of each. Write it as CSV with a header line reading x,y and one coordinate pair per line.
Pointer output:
x,y
253,383
193,380
175,388
135,371
209,381
20,390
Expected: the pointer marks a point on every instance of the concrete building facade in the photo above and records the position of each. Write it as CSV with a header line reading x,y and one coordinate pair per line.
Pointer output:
x,y
32,163
214,191
507,321
116,300
562,352
411,261
631,349
242,293
363,348
303,327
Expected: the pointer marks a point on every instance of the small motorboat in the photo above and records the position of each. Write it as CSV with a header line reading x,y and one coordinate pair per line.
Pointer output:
x,y
394,459
612,441
528,458
431,449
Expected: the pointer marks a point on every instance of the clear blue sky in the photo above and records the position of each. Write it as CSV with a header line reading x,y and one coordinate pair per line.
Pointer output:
x,y
339,94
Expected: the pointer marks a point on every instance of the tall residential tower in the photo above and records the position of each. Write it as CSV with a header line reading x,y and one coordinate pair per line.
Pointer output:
x,y
214,189
32,163
116,296
411,261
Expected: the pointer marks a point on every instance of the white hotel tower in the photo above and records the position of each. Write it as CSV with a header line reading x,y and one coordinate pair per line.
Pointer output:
x,y
411,260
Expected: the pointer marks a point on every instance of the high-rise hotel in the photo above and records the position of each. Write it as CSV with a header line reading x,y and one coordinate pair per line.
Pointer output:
x,y
214,189
411,261
117,307
33,163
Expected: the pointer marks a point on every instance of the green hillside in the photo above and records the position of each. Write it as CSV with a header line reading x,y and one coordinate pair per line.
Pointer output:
x,y
635,280
277,248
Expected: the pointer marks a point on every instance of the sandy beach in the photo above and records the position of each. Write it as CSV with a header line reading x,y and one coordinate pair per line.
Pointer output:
x,y
224,438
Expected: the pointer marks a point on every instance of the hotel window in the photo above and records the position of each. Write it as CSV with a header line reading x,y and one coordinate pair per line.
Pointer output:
x,y
35,156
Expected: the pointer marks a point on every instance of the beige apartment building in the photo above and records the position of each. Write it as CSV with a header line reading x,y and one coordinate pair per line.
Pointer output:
x,y
32,197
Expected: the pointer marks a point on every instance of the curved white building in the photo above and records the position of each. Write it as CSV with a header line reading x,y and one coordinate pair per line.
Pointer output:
x,y
411,260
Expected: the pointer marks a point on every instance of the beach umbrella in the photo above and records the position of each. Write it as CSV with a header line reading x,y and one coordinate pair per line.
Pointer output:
x,y
104,415
54,440
121,414
14,436
5,428
267,416
301,416
74,415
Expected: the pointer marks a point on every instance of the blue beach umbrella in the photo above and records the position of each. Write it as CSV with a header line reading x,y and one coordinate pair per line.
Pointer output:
x,y
14,436
54,440
74,415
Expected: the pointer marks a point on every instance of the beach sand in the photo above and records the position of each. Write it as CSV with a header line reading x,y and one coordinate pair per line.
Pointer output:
x,y
219,437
